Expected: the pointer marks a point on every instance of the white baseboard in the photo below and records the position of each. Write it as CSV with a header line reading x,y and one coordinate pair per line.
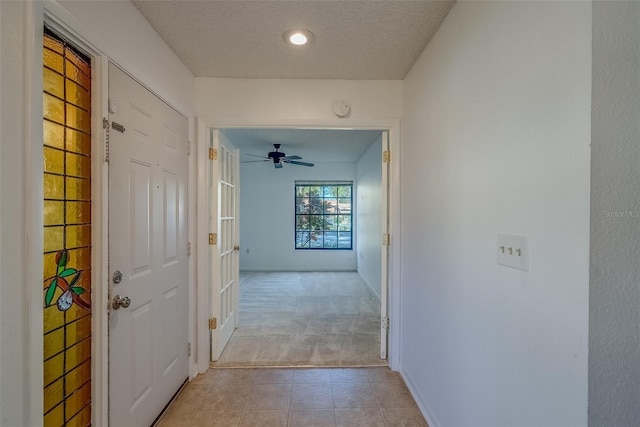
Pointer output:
x,y
427,413
369,285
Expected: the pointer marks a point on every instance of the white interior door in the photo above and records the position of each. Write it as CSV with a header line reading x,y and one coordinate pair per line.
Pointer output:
x,y
384,259
225,267
148,358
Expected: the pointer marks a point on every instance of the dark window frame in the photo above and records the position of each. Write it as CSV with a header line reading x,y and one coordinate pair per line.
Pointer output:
x,y
323,215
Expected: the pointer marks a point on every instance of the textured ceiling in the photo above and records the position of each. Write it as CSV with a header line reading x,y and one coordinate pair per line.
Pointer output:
x,y
319,145
362,39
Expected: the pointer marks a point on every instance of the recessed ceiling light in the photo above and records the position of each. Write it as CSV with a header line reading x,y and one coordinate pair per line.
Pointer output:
x,y
298,37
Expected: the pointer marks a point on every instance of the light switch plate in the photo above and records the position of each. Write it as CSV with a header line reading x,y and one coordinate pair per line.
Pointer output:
x,y
513,251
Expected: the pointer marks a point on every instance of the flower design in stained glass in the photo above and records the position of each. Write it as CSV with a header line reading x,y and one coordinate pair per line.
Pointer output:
x,y
66,279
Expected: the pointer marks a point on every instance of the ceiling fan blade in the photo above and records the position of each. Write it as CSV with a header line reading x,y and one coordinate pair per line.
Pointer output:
x,y
255,155
292,158
293,162
277,165
255,161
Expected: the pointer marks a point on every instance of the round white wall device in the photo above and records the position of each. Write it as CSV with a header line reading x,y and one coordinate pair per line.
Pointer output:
x,y
341,108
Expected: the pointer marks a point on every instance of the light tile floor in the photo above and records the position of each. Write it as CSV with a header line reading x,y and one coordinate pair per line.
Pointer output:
x,y
304,397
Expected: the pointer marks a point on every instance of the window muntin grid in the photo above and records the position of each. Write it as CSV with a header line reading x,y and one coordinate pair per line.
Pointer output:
x,y
323,215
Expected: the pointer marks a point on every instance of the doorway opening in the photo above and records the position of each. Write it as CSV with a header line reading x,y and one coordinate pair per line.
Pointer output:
x,y
323,305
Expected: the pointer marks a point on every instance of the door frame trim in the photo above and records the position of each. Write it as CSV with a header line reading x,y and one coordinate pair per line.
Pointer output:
x,y
204,123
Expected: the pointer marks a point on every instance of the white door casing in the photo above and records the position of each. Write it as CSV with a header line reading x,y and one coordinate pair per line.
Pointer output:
x,y
148,359
224,254
204,290
384,258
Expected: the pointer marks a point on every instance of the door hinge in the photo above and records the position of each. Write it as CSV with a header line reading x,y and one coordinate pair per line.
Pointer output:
x,y
188,248
213,238
188,349
213,323
213,154
386,239
188,147
385,323
386,156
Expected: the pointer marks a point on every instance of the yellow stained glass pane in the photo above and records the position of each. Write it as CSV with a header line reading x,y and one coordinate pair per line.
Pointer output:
x,y
77,354
53,369
67,219
53,239
49,266
53,82
52,108
53,213
54,340
76,312
53,60
78,165
77,378
77,331
78,142
78,118
78,189
53,44
76,60
78,213
75,74
78,95
53,160
53,187
78,400
53,134
78,235
81,259
53,394
54,318
82,419
55,417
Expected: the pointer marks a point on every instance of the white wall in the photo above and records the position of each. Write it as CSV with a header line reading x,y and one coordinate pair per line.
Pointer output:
x,y
291,100
14,381
369,216
496,139
120,31
128,38
267,219
614,312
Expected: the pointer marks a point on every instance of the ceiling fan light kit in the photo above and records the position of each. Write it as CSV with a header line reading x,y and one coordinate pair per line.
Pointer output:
x,y
278,158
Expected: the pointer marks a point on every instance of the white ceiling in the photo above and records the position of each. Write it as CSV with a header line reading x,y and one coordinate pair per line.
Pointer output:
x,y
354,39
313,145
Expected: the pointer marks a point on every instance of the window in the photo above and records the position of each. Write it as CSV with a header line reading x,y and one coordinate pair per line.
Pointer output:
x,y
323,214
66,287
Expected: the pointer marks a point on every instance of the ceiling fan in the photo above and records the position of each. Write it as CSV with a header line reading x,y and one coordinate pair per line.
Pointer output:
x,y
278,158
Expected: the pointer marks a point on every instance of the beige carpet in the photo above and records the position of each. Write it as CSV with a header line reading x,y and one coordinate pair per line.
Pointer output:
x,y
305,319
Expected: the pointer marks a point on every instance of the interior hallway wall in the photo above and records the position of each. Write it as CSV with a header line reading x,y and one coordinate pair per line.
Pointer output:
x,y
496,140
14,362
369,216
614,309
